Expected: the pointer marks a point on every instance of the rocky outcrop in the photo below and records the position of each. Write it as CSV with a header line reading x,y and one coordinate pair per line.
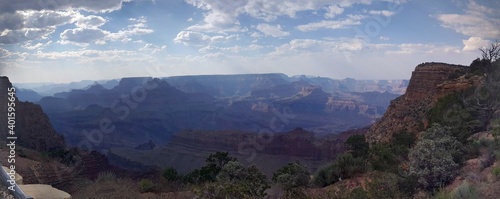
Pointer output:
x,y
429,83
32,127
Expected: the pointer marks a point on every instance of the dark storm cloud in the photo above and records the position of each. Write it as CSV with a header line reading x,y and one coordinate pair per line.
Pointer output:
x,y
12,21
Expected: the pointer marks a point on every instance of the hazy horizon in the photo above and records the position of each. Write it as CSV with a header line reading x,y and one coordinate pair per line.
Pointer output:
x,y
291,76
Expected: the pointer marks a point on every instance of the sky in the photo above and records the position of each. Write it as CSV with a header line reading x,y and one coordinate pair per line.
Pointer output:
x,y
73,40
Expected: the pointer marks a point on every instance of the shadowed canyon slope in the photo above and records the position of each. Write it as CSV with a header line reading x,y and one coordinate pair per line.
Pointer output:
x,y
142,109
32,127
188,150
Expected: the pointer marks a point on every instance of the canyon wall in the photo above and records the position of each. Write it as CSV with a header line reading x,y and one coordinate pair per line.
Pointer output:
x,y
429,83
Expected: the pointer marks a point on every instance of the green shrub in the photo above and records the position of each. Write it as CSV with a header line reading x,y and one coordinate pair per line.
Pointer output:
x,y
443,194
170,174
292,175
146,185
383,185
209,172
382,157
433,159
326,176
496,172
497,154
105,176
358,192
346,166
452,111
464,191
358,145
236,181
402,142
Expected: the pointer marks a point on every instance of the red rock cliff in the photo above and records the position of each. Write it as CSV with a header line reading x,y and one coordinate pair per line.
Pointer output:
x,y
429,83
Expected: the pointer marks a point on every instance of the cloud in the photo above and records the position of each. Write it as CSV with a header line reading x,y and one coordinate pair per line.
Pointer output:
x,y
331,24
332,11
11,21
192,38
34,20
474,43
478,21
88,31
417,48
87,5
233,49
383,38
83,35
25,34
138,27
31,25
90,21
324,45
153,48
273,31
9,59
385,13
36,46
255,35
222,16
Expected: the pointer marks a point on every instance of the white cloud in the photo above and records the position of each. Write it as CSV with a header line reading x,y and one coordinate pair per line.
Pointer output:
x,y
383,38
478,21
332,11
385,13
87,32
87,5
90,21
255,35
83,35
222,16
153,48
36,46
193,38
25,34
273,31
138,27
331,24
325,45
419,48
474,43
233,49
31,25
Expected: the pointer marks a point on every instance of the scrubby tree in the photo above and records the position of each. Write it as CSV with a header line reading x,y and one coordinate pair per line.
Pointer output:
x,y
170,174
345,166
358,146
219,159
491,53
434,160
146,185
214,164
292,177
236,181
382,157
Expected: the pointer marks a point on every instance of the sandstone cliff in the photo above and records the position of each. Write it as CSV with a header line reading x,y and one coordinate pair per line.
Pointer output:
x,y
429,83
32,127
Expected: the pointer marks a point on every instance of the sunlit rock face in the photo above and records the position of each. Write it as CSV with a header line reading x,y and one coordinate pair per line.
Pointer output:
x,y
429,83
